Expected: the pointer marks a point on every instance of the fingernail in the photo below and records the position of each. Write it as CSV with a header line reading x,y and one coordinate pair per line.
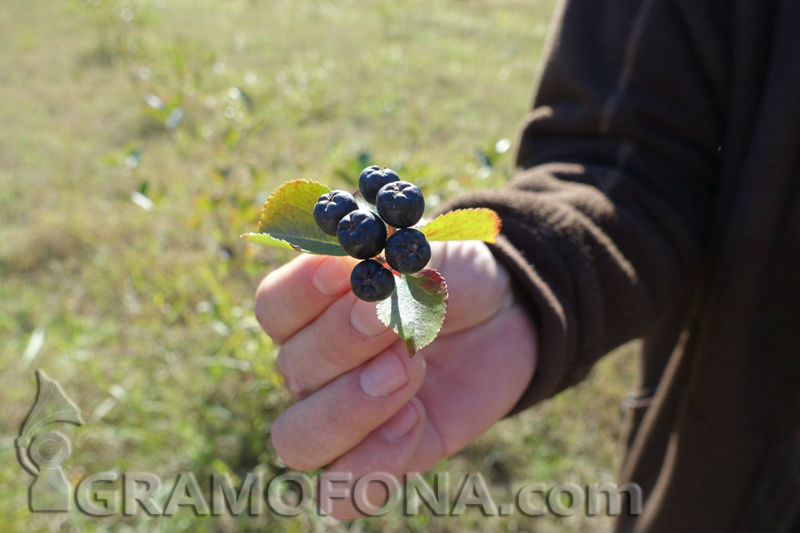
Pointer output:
x,y
364,318
383,376
331,277
401,423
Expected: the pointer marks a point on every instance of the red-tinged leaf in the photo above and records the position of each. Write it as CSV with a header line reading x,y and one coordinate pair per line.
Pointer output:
x,y
416,309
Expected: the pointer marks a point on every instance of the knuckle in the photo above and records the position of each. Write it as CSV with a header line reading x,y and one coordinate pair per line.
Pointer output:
x,y
264,311
333,353
414,366
286,447
330,337
284,366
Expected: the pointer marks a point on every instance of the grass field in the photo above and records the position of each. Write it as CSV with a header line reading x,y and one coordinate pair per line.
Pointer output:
x,y
139,139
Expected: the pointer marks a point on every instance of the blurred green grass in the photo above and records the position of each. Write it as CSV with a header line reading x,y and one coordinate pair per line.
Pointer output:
x,y
139,139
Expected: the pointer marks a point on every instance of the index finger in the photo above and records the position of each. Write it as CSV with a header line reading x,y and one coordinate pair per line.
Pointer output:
x,y
296,293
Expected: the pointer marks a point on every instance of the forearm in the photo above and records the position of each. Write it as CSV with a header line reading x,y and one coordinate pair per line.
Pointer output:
x,y
604,222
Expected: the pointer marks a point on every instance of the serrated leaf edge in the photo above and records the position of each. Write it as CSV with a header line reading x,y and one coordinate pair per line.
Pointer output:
x,y
263,212
410,348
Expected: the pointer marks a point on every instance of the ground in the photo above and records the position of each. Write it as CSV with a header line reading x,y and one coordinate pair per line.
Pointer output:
x,y
139,139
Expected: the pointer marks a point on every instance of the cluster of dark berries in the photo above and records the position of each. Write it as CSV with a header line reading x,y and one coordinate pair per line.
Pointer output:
x,y
362,233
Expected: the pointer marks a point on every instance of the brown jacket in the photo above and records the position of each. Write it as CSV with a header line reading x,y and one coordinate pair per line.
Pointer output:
x,y
658,196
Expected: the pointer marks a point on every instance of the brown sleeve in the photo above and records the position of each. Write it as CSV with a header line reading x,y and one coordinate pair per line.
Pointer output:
x,y
604,222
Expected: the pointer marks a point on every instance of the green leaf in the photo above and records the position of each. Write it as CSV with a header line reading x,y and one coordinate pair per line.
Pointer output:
x,y
416,308
474,224
269,240
363,204
287,220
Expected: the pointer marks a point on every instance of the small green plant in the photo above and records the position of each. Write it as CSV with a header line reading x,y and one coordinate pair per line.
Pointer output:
x,y
412,300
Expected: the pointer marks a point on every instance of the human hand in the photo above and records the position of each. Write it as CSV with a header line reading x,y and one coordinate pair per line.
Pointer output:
x,y
363,404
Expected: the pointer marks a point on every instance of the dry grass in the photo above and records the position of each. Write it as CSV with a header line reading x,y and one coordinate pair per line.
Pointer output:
x,y
149,313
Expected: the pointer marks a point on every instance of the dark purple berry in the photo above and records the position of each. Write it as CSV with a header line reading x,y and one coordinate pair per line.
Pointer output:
x,y
331,208
371,282
362,234
372,179
400,204
408,251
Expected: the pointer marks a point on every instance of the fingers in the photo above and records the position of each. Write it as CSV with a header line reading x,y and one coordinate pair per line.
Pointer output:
x,y
294,294
478,285
381,457
326,332
344,336
331,421
473,378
